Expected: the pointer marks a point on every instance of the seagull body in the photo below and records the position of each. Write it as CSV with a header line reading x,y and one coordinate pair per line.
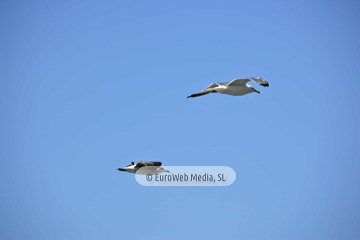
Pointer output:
x,y
147,167
237,87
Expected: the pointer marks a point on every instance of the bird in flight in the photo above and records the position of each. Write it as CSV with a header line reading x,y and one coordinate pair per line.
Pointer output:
x,y
237,87
144,168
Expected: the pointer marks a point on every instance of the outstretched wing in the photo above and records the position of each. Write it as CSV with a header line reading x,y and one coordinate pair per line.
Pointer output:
x,y
205,91
140,164
213,85
131,165
260,81
243,81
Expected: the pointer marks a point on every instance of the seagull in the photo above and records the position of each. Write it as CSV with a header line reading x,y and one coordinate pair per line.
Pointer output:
x,y
147,167
237,87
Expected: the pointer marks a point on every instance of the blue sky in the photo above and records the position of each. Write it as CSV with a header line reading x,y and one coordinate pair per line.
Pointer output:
x,y
89,86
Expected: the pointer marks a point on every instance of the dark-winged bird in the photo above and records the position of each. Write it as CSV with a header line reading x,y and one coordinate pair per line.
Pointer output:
x,y
144,168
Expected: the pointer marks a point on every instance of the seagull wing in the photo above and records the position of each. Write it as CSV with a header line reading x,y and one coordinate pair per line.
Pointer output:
x,y
140,164
239,82
243,81
260,81
131,165
213,85
155,163
205,91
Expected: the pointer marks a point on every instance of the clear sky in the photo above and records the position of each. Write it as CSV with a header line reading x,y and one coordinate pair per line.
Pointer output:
x,y
89,86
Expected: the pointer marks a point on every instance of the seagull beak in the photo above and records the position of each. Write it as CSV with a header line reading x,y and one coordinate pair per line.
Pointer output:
x,y
257,91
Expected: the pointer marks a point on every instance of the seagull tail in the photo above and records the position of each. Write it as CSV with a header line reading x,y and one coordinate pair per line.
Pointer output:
x,y
198,94
121,169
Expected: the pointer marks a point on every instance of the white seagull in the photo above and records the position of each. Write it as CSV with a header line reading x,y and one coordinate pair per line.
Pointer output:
x,y
237,87
146,167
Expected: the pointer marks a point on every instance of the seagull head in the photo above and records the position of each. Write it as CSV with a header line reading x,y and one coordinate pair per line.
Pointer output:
x,y
253,89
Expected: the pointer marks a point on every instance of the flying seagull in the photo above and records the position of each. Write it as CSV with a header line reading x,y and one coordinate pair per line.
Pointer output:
x,y
237,87
146,167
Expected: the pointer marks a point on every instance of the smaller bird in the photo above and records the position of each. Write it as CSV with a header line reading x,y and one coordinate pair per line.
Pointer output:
x,y
144,168
237,87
